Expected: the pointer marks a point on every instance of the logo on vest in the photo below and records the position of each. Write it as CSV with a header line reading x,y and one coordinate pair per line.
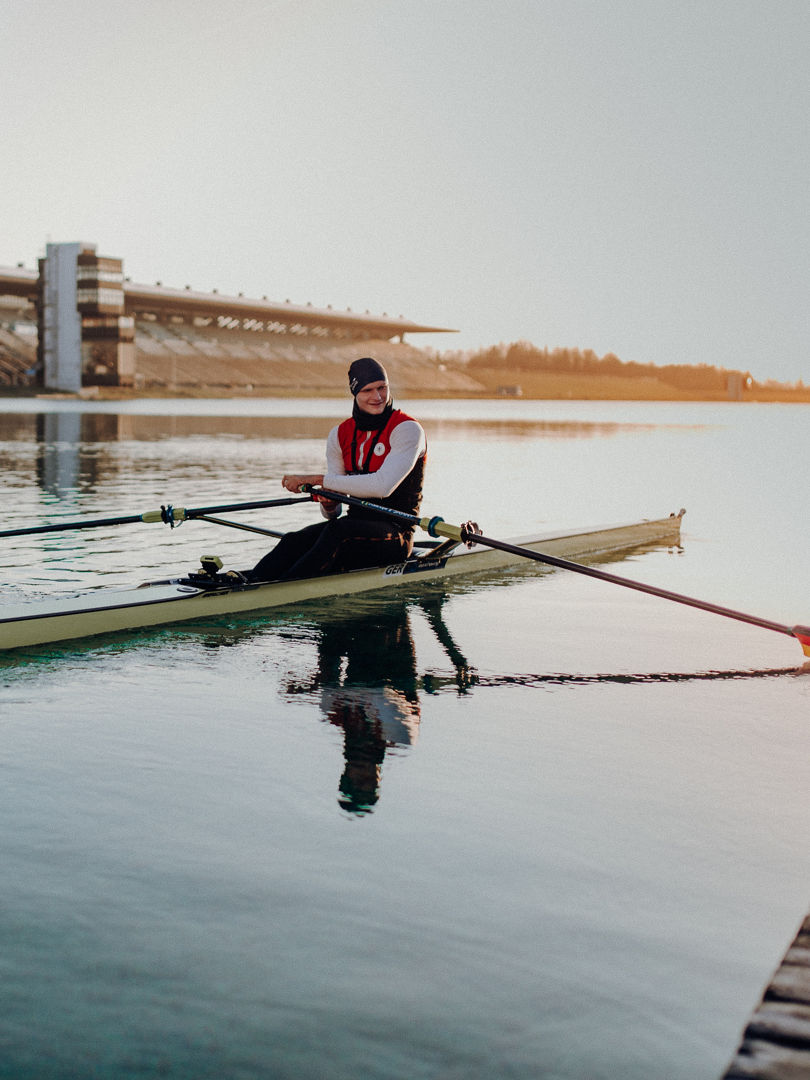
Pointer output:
x,y
379,450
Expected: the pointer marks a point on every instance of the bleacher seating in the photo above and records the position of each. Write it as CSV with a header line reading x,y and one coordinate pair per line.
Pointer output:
x,y
18,357
180,354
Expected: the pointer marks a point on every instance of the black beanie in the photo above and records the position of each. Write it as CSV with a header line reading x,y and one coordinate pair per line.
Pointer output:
x,y
364,371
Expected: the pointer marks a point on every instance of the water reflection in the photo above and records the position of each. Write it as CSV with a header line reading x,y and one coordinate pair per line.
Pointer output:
x,y
531,429
146,427
559,678
58,437
366,682
76,447
80,450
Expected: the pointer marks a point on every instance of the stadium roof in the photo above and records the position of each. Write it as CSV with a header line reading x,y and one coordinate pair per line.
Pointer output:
x,y
160,300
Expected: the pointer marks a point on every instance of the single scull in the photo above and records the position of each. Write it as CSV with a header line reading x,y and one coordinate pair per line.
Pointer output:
x,y
105,611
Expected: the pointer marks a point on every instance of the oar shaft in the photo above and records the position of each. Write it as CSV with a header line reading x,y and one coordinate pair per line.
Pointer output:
x,y
629,583
175,515
801,633
238,525
62,526
351,500
229,508
438,527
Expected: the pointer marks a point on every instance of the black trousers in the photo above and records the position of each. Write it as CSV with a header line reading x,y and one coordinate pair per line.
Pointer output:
x,y
328,547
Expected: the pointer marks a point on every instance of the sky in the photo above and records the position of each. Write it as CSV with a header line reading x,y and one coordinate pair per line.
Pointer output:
x,y
626,176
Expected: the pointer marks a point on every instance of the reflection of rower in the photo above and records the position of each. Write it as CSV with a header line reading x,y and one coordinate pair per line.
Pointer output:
x,y
368,686
466,676
367,717
367,677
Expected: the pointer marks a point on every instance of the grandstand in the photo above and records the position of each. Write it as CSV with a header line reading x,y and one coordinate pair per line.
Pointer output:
x,y
187,342
18,342
181,356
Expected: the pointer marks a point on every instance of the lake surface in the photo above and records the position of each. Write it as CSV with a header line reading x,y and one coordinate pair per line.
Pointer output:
x,y
532,826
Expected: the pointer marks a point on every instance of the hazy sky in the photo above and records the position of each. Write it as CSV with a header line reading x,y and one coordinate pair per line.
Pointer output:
x,y
628,176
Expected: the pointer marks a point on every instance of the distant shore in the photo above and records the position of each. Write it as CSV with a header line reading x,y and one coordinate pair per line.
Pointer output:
x,y
520,372
570,390
413,375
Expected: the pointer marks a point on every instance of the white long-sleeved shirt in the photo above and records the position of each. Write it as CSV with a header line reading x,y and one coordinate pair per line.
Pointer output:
x,y
408,443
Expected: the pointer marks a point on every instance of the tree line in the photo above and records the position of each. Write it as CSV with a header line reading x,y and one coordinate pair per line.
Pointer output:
x,y
523,356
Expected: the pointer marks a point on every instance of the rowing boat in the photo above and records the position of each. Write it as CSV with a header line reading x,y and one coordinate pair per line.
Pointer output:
x,y
183,599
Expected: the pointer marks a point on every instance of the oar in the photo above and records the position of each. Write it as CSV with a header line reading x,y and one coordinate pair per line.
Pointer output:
x,y
239,525
169,515
436,526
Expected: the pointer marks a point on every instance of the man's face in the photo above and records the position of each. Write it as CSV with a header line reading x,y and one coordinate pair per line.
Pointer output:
x,y
373,397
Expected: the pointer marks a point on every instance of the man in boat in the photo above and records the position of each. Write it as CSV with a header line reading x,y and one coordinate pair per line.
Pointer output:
x,y
379,454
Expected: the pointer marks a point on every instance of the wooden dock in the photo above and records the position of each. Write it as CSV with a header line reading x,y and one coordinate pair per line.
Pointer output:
x,y
776,1042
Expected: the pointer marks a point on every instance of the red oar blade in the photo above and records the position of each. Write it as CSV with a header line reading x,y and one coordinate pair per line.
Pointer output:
x,y
802,635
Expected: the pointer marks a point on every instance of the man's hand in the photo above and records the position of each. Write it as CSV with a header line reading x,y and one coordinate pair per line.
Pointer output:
x,y
293,483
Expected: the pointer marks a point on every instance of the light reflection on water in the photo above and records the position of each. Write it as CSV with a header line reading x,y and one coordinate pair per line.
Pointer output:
x,y
529,824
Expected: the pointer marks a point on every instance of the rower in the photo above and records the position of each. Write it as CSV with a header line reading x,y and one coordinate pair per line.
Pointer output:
x,y
378,453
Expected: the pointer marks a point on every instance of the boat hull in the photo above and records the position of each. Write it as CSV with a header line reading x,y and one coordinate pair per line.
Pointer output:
x,y
106,611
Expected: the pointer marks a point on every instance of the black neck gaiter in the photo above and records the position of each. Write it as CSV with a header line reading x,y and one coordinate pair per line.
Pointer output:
x,y
368,421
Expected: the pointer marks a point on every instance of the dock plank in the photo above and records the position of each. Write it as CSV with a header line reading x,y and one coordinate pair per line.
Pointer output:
x,y
776,1041
767,1061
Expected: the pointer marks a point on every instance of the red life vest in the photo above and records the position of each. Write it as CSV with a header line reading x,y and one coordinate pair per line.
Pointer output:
x,y
365,451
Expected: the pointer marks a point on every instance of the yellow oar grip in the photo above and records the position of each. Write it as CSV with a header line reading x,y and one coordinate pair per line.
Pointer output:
x,y
436,526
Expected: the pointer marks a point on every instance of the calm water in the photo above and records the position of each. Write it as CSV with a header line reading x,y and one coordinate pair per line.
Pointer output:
x,y
530,827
